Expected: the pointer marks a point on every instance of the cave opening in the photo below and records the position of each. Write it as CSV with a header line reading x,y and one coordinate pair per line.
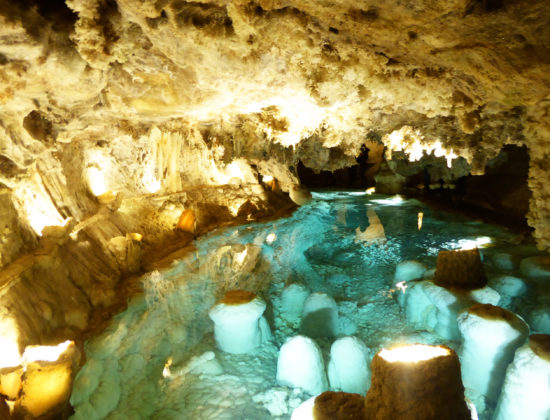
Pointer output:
x,y
500,195
359,175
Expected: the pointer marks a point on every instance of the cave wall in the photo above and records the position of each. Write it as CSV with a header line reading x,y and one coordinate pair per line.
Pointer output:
x,y
164,105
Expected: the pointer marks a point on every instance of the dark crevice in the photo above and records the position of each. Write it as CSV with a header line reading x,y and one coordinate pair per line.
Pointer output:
x,y
203,16
500,196
34,15
39,127
354,176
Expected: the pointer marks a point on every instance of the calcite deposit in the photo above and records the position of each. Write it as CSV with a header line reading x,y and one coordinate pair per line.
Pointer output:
x,y
116,116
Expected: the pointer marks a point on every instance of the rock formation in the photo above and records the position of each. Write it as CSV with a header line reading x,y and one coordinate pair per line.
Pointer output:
x,y
117,115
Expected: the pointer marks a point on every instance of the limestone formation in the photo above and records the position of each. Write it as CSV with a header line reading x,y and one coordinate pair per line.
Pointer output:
x,y
433,388
460,269
117,115
338,406
239,326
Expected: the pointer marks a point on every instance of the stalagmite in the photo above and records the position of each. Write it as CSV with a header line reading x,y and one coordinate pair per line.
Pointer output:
x,y
491,336
319,316
416,382
293,298
238,327
526,390
300,364
348,368
460,269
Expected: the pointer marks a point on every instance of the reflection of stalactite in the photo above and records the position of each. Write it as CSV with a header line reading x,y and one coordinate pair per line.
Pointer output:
x,y
374,234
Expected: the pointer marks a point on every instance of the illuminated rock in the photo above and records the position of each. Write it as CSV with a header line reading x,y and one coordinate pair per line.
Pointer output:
x,y
10,381
187,221
348,368
416,382
300,365
292,300
300,195
491,335
526,390
535,266
238,327
319,316
47,381
460,269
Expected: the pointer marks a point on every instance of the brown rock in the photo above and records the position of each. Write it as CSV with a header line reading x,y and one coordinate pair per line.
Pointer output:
x,y
460,269
187,221
10,382
424,390
540,344
237,297
339,406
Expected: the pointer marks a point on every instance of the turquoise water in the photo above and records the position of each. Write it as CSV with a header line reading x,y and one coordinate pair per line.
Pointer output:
x,y
158,359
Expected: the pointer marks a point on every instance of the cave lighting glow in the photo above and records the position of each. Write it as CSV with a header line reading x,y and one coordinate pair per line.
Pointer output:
x,y
234,208
271,238
466,244
37,207
370,190
413,353
413,143
9,349
476,243
96,181
302,114
149,180
237,170
402,285
166,372
396,200
267,178
45,353
240,256
420,217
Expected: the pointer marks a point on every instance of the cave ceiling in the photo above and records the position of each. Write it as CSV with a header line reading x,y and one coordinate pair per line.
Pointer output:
x,y
269,83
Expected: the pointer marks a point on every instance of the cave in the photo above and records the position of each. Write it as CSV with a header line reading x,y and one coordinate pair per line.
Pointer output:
x,y
274,209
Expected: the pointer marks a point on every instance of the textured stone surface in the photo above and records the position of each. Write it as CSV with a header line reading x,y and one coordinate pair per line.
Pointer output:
x,y
116,115
339,406
433,389
460,269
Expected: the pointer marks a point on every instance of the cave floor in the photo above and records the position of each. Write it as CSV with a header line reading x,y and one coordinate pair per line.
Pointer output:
x,y
157,359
